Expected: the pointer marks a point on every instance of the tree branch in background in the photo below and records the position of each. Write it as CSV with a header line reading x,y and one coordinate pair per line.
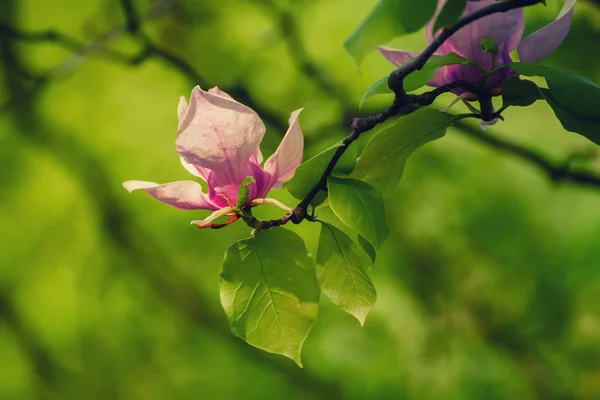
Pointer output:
x,y
556,172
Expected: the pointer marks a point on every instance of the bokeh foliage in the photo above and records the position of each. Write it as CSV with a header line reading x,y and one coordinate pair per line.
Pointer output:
x,y
488,285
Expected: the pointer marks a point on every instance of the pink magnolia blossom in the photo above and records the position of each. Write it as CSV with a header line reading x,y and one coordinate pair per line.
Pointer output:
x,y
218,141
505,29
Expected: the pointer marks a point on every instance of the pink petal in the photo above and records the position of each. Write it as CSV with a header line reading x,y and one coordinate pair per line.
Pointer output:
x,y
505,28
221,93
219,134
200,172
257,157
281,166
400,57
185,195
397,57
429,25
540,44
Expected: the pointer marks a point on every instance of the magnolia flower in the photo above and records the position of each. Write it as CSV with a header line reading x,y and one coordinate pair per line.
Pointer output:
x,y
218,141
505,29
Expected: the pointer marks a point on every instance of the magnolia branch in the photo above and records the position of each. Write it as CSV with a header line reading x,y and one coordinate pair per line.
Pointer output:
x,y
402,99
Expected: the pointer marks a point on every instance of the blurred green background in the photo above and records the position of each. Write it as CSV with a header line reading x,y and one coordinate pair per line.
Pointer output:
x,y
488,286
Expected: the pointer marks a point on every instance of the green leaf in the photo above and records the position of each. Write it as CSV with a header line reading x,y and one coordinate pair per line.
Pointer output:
x,y
450,13
418,78
588,126
270,292
518,92
243,192
342,275
382,163
380,86
368,248
489,45
358,205
309,173
573,91
389,19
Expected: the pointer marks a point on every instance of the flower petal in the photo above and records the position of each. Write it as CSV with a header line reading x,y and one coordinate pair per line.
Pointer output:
x,y
181,108
484,124
203,223
200,172
221,93
397,57
219,134
185,195
540,44
506,28
429,25
281,166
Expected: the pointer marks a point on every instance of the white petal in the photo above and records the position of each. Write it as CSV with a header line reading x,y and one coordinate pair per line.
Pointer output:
x,y
181,108
272,202
484,124
219,213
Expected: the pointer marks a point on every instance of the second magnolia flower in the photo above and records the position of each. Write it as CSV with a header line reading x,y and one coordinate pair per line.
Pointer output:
x,y
218,141
505,28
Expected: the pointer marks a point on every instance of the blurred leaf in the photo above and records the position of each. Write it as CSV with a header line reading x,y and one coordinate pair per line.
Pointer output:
x,y
358,205
309,172
270,292
419,78
368,248
519,92
382,163
342,275
450,13
243,192
389,19
588,126
573,91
